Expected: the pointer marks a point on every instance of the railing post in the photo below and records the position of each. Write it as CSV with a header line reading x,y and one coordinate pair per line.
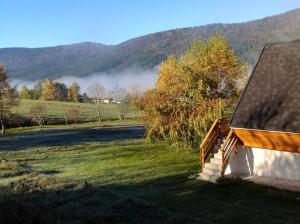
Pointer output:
x,y
223,150
219,129
223,161
202,158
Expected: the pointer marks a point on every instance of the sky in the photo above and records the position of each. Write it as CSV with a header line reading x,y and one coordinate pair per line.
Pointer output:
x,y
41,23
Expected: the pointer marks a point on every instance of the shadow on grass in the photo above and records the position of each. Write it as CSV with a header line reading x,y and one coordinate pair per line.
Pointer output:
x,y
172,199
58,137
49,172
14,174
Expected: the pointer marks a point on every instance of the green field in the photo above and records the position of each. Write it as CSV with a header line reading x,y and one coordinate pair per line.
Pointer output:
x,y
57,110
105,123
110,175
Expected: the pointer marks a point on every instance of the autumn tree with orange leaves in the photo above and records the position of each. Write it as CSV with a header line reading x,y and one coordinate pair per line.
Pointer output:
x,y
192,91
48,92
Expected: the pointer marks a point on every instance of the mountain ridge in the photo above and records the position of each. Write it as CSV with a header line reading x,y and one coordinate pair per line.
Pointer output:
x,y
147,51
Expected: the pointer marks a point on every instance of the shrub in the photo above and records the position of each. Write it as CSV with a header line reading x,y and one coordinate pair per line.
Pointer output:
x,y
18,121
191,92
38,112
73,114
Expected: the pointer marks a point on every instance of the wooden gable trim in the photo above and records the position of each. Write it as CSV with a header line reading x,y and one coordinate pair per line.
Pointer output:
x,y
274,140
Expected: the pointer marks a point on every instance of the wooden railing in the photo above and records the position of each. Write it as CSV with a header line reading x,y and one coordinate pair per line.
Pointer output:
x,y
228,147
218,130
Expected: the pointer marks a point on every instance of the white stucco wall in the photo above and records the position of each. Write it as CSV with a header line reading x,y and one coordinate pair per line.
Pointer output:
x,y
264,162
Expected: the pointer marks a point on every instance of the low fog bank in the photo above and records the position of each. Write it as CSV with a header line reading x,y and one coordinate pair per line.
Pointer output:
x,y
145,79
19,82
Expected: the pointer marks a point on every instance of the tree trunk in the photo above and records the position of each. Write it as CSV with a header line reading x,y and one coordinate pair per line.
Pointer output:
x,y
2,127
99,117
121,116
1,114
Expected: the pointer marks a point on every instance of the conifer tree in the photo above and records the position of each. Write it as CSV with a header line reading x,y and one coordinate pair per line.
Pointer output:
x,y
61,91
25,93
37,90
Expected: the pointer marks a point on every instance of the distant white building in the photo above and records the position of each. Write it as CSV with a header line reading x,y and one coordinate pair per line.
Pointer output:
x,y
117,101
107,100
104,100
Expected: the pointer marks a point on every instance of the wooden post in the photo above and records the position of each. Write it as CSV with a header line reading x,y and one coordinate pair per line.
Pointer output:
x,y
223,161
202,164
223,149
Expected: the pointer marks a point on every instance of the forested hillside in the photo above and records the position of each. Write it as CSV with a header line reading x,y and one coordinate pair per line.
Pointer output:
x,y
147,51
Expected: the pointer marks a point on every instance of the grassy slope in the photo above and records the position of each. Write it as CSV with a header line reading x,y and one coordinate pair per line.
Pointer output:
x,y
132,182
58,109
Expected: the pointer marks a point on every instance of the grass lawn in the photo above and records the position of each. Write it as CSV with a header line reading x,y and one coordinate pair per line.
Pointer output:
x,y
98,179
56,110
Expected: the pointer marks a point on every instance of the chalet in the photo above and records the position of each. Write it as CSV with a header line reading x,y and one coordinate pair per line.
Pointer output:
x,y
262,138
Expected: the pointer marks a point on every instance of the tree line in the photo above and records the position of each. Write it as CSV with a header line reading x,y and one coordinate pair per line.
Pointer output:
x,y
56,91
51,91
124,97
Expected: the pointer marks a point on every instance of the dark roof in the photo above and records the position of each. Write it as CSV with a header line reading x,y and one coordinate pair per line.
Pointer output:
x,y
271,99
